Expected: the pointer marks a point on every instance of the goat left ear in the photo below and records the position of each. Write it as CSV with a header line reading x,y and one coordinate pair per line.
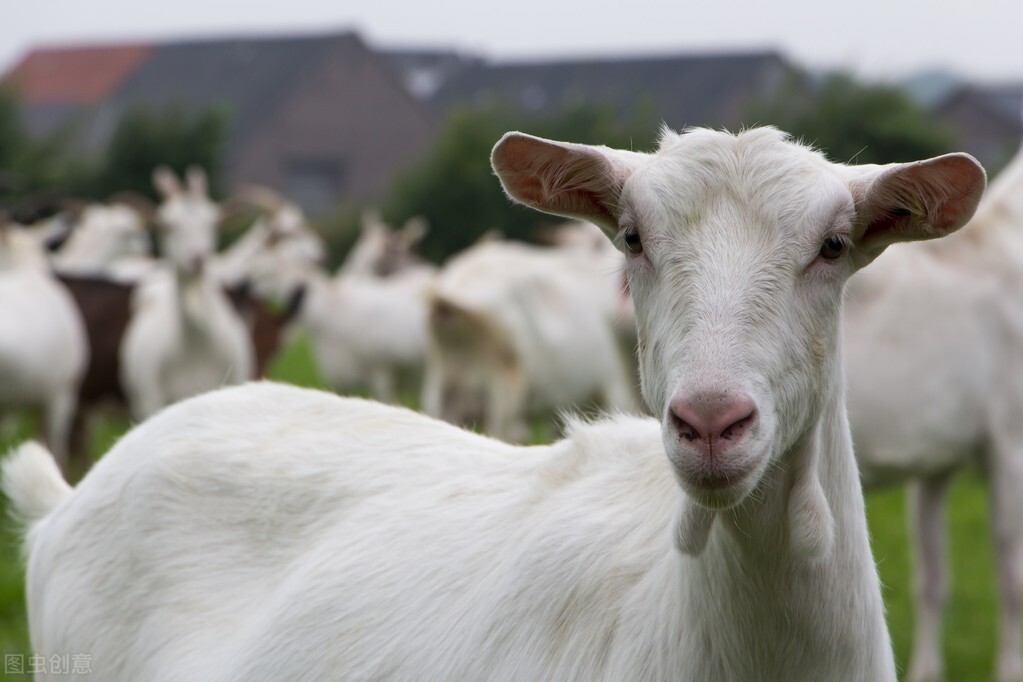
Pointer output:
x,y
166,182
572,180
914,201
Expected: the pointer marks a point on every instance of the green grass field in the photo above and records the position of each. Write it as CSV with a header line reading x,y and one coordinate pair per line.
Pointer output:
x,y
970,621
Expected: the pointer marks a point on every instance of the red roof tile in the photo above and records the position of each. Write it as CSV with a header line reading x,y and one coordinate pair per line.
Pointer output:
x,y
81,75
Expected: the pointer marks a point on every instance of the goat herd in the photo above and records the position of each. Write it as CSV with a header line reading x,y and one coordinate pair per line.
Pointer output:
x,y
268,532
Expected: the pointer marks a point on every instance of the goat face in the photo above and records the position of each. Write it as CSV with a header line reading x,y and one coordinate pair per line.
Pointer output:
x,y
187,218
737,248
737,277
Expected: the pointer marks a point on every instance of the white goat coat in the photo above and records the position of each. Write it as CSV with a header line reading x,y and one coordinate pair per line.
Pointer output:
x,y
934,359
184,338
275,533
554,309
361,325
924,346
43,347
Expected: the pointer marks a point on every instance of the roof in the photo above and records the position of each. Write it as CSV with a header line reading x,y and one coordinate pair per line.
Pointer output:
x,y
683,89
247,76
94,86
74,75
1002,103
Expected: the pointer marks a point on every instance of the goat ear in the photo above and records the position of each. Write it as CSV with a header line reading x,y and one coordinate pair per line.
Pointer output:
x,y
413,231
166,182
572,180
198,183
915,201
373,221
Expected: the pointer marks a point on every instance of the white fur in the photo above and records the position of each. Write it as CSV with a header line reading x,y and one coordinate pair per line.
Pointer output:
x,y
534,327
933,339
43,348
107,240
363,328
274,533
382,251
184,337
282,229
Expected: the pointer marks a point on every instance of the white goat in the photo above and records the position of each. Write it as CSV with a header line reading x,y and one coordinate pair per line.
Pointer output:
x,y
43,349
531,328
107,240
274,533
363,329
381,251
184,337
281,229
934,334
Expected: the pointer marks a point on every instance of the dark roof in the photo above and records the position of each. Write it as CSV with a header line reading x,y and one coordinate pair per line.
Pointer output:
x,y
1007,100
683,90
424,71
1002,103
246,76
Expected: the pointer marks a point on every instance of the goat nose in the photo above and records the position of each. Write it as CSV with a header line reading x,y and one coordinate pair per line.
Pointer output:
x,y
710,417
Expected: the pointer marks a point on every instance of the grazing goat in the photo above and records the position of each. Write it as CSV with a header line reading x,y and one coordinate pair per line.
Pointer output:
x,y
43,351
934,356
267,532
183,337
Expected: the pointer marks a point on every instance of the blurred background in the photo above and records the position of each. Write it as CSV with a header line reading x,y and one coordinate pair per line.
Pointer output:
x,y
339,108
385,114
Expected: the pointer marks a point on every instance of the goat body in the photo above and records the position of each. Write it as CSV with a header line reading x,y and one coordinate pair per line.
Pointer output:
x,y
43,349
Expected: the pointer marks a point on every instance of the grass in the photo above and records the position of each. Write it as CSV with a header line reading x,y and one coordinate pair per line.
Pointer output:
x,y
970,619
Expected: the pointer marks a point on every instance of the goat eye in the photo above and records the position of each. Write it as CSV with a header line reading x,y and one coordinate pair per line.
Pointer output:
x,y
833,247
632,241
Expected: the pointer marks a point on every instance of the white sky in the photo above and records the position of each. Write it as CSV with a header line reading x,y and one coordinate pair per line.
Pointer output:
x,y
977,39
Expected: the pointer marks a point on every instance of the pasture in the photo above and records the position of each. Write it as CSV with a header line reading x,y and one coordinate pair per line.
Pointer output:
x,y
970,620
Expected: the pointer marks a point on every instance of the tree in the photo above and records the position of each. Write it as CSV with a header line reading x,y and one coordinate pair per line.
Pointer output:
x,y
454,188
855,122
145,139
30,169
37,174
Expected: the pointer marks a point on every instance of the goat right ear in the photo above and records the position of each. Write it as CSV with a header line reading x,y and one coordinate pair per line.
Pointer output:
x,y
914,201
572,180
166,182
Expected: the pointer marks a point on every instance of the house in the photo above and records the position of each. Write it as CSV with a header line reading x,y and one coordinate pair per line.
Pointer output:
x,y
713,90
323,119
988,120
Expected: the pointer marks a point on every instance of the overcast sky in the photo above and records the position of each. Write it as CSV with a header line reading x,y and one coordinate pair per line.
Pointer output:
x,y
978,39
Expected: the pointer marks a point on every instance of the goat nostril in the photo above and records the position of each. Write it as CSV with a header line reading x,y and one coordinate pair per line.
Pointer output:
x,y
736,428
712,417
686,431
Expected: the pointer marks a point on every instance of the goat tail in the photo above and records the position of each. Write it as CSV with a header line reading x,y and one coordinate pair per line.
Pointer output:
x,y
32,482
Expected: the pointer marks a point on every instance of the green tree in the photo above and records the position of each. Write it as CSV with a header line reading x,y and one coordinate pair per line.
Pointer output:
x,y
855,122
30,169
37,173
145,139
454,188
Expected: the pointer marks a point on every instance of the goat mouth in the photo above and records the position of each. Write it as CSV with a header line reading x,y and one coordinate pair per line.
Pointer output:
x,y
719,480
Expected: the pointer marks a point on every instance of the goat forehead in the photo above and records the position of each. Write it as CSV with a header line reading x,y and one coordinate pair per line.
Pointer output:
x,y
757,183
